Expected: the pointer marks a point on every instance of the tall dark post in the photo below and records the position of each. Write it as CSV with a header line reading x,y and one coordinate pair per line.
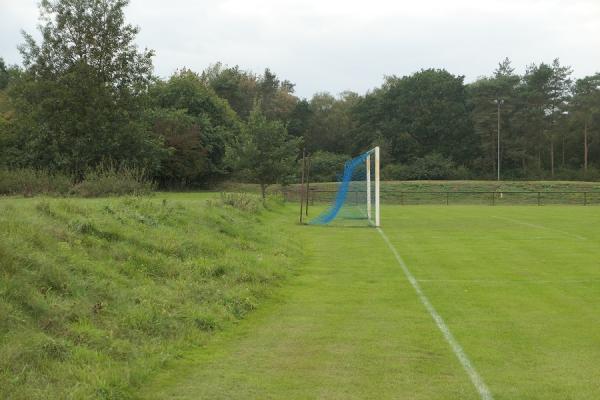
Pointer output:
x,y
302,184
499,102
307,183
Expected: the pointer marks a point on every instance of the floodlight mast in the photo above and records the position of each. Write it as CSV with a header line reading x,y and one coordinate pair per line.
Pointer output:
x,y
377,213
499,103
368,161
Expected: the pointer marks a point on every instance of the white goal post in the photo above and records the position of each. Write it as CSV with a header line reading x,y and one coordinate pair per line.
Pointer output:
x,y
374,153
355,202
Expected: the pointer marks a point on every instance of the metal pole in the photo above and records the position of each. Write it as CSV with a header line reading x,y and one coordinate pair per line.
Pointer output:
x,y
377,186
499,102
368,166
302,184
307,183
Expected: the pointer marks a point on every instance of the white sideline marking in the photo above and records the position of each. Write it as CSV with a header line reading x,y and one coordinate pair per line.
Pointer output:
x,y
476,379
509,281
516,221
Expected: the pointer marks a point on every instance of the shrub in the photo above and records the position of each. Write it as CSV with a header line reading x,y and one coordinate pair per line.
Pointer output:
x,y
325,166
103,181
461,173
112,181
592,174
30,182
395,172
242,201
431,167
567,174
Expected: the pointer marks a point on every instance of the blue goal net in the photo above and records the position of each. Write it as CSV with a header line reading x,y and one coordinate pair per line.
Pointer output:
x,y
354,201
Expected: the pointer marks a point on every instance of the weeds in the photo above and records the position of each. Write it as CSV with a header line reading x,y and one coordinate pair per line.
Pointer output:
x,y
103,181
242,201
108,180
30,182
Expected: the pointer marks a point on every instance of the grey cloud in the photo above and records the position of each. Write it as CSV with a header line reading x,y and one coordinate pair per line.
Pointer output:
x,y
337,45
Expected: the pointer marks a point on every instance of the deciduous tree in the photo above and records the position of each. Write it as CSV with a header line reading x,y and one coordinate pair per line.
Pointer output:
x,y
81,98
197,126
264,153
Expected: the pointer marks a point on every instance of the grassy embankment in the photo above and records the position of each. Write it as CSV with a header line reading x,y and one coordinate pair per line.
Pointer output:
x,y
97,295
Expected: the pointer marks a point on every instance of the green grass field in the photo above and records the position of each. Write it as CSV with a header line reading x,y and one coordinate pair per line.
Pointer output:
x,y
518,288
183,296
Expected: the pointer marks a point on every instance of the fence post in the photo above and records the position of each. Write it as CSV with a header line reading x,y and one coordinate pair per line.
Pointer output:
x,y
539,198
447,198
493,198
585,198
401,198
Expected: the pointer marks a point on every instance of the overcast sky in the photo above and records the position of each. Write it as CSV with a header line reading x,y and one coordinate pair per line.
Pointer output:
x,y
337,45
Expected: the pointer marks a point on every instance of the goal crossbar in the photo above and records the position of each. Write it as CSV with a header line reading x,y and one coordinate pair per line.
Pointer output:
x,y
357,196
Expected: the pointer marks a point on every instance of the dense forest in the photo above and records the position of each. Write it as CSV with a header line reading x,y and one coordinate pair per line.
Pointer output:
x,y
86,95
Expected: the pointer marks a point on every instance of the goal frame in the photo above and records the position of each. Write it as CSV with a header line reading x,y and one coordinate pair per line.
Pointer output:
x,y
368,163
374,153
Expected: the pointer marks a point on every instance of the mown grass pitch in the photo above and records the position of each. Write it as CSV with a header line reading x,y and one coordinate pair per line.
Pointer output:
x,y
518,287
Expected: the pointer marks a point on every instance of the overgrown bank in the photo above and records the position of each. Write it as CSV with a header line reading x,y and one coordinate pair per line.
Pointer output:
x,y
97,295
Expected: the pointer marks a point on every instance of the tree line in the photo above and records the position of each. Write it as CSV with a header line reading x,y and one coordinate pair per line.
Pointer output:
x,y
86,95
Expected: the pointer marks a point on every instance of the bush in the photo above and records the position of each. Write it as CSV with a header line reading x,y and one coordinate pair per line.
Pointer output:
x,y
242,201
112,181
567,174
103,181
592,174
431,167
395,172
325,166
30,182
461,173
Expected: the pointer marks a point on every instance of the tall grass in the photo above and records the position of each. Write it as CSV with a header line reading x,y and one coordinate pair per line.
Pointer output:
x,y
109,180
96,296
105,180
30,182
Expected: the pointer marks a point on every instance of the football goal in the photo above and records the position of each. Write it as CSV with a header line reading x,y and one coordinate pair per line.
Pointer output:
x,y
356,199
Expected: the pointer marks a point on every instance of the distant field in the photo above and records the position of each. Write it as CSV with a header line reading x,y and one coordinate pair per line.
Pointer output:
x,y
486,186
518,288
469,192
455,192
